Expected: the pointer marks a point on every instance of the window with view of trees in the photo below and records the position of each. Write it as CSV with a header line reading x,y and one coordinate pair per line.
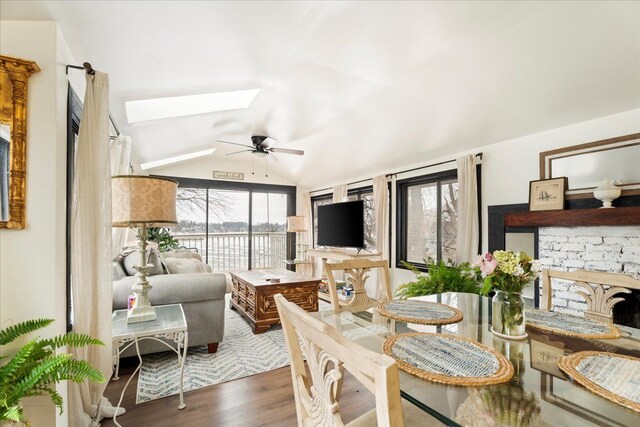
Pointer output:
x,y
427,214
235,226
364,194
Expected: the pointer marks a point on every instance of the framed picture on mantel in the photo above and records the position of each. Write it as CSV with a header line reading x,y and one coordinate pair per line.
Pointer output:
x,y
547,194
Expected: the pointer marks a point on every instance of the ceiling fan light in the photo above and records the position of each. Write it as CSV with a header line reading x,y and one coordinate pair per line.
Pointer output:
x,y
260,154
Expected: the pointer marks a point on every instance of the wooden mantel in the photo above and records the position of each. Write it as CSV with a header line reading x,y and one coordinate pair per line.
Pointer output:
x,y
574,217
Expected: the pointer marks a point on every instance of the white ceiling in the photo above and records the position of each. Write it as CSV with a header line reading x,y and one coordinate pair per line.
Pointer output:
x,y
361,87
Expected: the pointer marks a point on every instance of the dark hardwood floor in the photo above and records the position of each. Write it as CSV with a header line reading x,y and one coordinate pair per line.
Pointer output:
x,y
260,400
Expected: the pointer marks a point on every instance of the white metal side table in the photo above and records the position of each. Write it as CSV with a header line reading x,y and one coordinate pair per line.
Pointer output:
x,y
170,324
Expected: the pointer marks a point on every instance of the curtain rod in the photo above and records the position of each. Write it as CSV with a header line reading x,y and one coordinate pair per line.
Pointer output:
x,y
348,183
89,69
399,172
427,166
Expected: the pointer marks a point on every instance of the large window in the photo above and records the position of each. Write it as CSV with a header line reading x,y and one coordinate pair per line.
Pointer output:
x,y
427,218
235,226
74,115
366,195
315,202
269,225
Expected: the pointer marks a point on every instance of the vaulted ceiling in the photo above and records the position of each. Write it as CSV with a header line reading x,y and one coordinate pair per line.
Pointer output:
x,y
360,86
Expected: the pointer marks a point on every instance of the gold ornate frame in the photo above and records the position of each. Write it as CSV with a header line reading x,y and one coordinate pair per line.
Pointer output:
x,y
14,75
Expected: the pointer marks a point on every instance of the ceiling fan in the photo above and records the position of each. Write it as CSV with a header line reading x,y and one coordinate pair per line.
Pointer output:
x,y
262,147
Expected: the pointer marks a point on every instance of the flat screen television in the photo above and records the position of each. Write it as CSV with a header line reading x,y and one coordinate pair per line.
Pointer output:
x,y
341,225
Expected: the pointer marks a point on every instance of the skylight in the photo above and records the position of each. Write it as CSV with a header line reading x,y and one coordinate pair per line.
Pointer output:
x,y
176,159
178,106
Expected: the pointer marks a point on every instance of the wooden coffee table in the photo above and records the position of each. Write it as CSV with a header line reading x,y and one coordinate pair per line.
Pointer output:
x,y
253,291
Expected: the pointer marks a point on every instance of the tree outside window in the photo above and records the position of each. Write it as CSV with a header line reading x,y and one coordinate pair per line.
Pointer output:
x,y
429,209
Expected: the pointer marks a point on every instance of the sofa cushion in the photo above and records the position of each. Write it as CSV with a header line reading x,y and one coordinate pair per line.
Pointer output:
x,y
133,258
182,253
184,265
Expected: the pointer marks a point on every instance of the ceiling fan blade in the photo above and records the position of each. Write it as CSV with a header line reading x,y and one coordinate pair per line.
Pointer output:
x,y
238,152
235,143
268,142
287,151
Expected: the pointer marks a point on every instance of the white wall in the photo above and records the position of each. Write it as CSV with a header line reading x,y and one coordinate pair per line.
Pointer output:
x,y
32,261
508,166
203,168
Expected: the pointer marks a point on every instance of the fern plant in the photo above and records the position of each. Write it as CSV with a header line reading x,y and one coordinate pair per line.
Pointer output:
x,y
36,368
441,277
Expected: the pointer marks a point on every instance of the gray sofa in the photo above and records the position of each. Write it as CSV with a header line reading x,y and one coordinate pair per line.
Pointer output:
x,y
202,299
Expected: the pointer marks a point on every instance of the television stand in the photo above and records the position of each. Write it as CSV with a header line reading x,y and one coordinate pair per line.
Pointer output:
x,y
338,254
335,254
363,249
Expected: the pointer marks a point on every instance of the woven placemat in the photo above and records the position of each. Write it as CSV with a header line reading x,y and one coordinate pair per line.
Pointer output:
x,y
448,359
422,312
615,377
565,324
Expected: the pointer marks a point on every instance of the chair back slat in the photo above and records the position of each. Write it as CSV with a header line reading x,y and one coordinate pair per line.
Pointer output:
x,y
357,272
328,354
599,289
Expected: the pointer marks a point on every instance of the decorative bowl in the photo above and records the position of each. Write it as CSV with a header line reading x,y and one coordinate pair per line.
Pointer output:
x,y
607,192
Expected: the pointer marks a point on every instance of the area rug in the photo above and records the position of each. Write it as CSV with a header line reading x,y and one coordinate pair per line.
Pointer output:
x,y
241,354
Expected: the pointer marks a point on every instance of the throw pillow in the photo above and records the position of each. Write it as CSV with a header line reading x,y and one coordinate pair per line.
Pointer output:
x,y
182,253
118,271
184,265
133,258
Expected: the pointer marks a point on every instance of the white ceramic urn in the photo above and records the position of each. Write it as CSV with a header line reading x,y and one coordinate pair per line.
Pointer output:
x,y
607,192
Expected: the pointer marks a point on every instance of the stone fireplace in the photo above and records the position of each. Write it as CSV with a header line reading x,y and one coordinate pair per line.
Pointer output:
x,y
580,237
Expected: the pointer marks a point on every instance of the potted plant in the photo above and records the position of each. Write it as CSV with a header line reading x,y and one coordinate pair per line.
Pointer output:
x,y
441,277
166,242
507,273
36,368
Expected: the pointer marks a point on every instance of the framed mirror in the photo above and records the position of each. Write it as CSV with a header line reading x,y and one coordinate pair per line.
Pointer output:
x,y
14,75
586,165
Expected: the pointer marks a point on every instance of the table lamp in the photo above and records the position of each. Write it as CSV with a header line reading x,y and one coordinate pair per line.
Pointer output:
x,y
296,224
140,202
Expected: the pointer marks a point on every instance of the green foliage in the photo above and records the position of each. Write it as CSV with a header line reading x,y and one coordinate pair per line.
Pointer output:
x,y
502,282
36,367
507,271
441,277
163,238
12,332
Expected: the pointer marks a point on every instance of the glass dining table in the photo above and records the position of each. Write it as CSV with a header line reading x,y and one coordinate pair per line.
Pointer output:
x,y
538,394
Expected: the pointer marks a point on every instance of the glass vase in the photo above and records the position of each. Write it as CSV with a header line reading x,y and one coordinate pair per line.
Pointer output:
x,y
508,315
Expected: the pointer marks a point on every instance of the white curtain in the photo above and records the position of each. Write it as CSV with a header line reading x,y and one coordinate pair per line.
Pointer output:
x,y
468,229
340,193
381,211
120,151
91,248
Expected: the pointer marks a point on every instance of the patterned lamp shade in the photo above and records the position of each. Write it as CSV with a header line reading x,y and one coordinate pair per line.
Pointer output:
x,y
296,224
143,200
